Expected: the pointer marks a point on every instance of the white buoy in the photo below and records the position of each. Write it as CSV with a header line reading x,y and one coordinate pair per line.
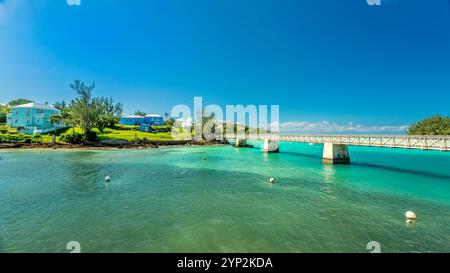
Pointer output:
x,y
272,180
107,179
410,215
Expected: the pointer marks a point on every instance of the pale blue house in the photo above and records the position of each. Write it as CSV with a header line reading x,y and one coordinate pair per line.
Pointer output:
x,y
33,118
142,121
131,120
153,119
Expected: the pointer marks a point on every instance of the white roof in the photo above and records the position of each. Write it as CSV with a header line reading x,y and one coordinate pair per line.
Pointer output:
x,y
132,116
35,105
153,116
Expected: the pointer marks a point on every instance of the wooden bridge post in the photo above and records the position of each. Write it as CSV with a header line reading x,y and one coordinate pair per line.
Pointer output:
x,y
335,153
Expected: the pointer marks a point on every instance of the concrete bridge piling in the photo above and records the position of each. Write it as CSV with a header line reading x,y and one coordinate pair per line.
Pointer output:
x,y
270,146
335,153
241,142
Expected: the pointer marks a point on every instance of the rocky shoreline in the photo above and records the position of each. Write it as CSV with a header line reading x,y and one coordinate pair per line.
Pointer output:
x,y
110,144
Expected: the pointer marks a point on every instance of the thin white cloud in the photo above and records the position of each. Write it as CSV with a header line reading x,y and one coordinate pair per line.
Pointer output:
x,y
326,127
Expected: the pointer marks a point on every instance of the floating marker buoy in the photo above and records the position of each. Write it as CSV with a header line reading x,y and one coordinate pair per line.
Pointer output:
x,y
272,180
107,179
204,158
410,215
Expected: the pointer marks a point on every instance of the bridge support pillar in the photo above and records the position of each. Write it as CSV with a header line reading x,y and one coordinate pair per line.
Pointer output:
x,y
335,153
241,142
270,146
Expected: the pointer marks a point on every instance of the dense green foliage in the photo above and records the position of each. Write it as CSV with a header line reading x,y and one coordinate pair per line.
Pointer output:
x,y
126,127
169,122
18,102
73,138
7,130
4,111
90,112
435,125
56,120
140,113
14,138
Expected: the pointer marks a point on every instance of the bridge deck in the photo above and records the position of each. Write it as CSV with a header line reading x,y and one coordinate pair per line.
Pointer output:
x,y
441,143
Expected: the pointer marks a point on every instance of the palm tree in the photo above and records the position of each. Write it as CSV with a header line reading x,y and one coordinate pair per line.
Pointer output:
x,y
166,115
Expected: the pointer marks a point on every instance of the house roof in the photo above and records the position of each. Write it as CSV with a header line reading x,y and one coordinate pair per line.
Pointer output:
x,y
132,116
35,105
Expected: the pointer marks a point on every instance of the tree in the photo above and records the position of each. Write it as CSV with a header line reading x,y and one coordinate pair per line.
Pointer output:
x,y
4,111
19,102
70,118
81,107
90,112
106,113
139,113
169,122
60,105
55,120
435,125
166,115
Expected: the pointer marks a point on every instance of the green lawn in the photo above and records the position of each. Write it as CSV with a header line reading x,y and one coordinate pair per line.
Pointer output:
x,y
133,135
129,133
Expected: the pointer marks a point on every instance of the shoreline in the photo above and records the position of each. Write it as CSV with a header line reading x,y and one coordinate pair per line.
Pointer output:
x,y
106,145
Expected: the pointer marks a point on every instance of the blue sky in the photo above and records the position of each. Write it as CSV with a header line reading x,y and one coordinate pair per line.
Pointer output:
x,y
328,63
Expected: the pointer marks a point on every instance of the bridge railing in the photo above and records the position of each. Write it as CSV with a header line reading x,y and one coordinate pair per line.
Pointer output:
x,y
404,141
409,142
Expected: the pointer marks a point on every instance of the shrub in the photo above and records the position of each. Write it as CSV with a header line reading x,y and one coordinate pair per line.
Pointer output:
x,y
73,138
77,138
90,136
126,127
5,129
15,138
36,139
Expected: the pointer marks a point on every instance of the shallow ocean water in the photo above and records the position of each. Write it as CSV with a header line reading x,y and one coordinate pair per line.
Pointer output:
x,y
170,200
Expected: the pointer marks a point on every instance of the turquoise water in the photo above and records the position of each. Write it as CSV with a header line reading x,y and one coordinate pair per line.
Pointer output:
x,y
170,200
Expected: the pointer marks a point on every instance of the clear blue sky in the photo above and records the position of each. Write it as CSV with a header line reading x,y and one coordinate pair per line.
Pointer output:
x,y
333,60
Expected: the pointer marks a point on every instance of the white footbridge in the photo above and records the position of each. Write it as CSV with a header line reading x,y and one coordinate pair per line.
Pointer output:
x,y
336,146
